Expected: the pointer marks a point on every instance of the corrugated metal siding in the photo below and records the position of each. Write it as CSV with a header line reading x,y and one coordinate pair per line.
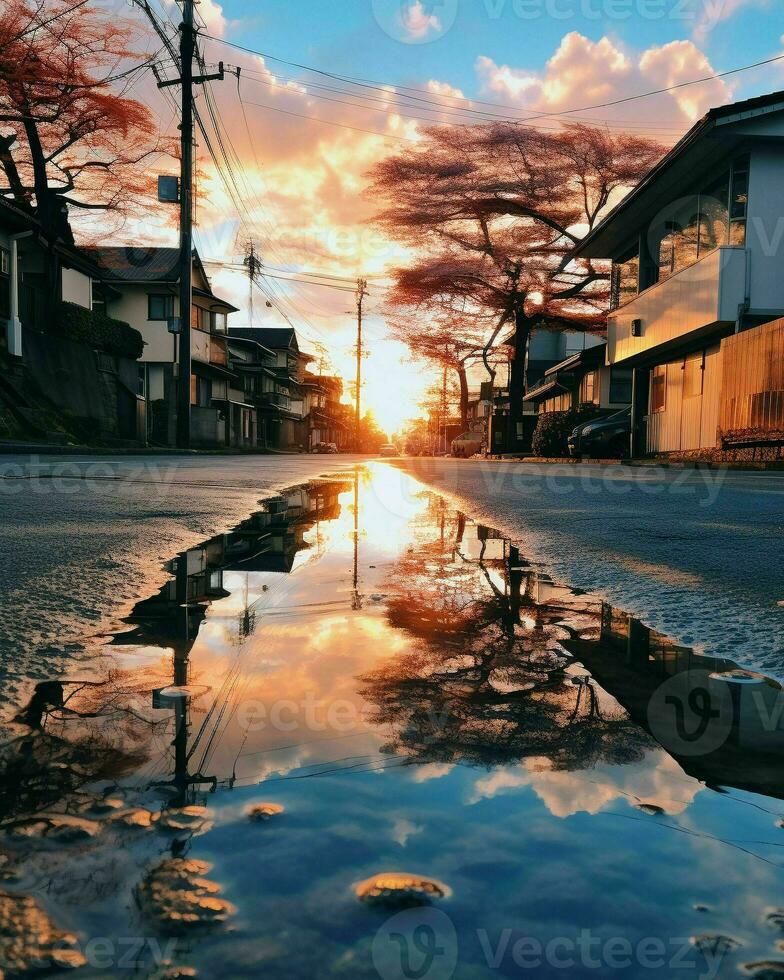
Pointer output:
x,y
752,397
688,422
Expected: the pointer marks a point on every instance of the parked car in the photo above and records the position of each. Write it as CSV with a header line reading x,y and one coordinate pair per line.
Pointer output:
x,y
388,449
608,436
467,444
325,447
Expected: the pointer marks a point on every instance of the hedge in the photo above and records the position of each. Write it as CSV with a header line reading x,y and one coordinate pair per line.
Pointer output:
x,y
553,429
99,331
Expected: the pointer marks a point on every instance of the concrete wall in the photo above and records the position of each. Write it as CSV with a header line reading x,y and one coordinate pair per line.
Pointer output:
x,y
132,308
702,294
765,228
77,288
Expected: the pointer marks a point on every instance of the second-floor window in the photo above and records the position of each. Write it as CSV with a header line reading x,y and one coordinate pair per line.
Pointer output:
x,y
160,306
5,282
713,217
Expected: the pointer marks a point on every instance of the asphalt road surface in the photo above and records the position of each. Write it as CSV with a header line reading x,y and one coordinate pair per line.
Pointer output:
x,y
697,554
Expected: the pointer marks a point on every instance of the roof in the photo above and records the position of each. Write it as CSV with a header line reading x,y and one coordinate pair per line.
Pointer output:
x,y
250,343
131,263
205,294
545,390
589,358
689,154
274,338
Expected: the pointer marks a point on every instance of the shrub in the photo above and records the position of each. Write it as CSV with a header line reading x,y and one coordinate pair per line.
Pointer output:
x,y
553,429
101,332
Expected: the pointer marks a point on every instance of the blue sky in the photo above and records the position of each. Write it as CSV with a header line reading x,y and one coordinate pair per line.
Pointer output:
x,y
346,37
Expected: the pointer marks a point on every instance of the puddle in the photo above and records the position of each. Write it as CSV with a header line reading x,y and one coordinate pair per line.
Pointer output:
x,y
359,705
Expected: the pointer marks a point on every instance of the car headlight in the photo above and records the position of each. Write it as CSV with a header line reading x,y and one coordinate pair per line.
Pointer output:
x,y
588,430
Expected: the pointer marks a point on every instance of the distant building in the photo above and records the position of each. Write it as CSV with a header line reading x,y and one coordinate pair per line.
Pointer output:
x,y
584,379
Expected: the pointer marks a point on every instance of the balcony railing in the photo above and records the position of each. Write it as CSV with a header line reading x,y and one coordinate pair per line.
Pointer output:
x,y
708,292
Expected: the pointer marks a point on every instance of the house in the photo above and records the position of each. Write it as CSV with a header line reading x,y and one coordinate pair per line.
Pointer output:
x,y
145,283
584,379
545,350
697,284
283,405
69,371
329,419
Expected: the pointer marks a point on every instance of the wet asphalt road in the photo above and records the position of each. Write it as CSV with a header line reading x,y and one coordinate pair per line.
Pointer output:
x,y
83,538
695,554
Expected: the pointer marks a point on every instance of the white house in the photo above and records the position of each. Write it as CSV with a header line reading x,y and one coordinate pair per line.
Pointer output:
x,y
146,295
697,258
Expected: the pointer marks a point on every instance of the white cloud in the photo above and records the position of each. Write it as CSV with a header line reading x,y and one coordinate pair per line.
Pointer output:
x,y
445,89
583,72
418,22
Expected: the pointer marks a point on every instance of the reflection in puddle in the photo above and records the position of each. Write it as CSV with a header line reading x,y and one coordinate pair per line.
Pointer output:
x,y
360,684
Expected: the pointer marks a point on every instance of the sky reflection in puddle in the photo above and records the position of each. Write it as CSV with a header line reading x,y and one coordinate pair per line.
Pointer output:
x,y
404,693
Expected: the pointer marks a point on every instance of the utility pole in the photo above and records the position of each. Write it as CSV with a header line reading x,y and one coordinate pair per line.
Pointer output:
x,y
253,264
361,293
187,51
184,59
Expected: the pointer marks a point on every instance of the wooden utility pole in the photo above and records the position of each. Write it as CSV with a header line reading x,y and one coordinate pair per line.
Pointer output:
x,y
187,51
361,293
184,59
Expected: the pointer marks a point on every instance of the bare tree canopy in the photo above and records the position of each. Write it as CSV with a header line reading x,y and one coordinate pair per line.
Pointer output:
x,y
70,136
492,214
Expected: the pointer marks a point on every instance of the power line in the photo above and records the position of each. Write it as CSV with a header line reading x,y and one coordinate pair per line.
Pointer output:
x,y
328,122
381,86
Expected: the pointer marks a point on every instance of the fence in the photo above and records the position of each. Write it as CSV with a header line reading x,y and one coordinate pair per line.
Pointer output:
x,y
751,411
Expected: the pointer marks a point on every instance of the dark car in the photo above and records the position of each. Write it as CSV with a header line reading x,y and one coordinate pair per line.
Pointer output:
x,y
605,437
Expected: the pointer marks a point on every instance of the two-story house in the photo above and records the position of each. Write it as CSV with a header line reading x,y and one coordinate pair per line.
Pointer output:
x,y
545,349
284,406
697,279
146,295
584,379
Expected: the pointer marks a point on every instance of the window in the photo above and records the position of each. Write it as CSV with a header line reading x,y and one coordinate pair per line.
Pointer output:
x,y
713,214
160,306
588,387
626,279
658,387
5,282
98,298
620,386
739,199
693,375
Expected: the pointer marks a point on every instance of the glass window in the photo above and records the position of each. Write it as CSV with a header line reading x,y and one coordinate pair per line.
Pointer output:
x,y
5,282
739,199
658,387
714,213
98,298
160,306
667,251
626,280
588,387
620,386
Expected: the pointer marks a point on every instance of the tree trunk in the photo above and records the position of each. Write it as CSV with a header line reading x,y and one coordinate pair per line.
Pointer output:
x,y
517,378
461,374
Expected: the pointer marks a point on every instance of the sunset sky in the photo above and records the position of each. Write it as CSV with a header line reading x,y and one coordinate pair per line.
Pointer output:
x,y
301,142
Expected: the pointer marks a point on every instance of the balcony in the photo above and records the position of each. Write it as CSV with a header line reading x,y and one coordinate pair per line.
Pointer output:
x,y
698,297
274,399
218,351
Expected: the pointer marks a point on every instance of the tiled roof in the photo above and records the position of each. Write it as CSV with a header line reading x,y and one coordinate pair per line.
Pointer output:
x,y
137,263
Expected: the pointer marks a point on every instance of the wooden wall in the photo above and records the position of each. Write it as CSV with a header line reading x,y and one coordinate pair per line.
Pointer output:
x,y
752,395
